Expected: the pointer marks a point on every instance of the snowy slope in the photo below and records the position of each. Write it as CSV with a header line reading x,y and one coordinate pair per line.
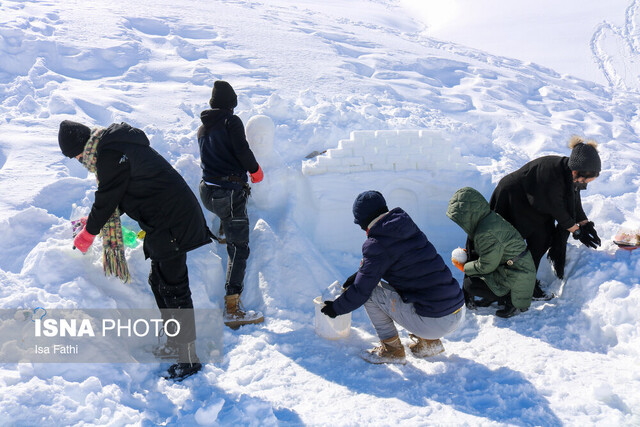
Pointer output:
x,y
319,71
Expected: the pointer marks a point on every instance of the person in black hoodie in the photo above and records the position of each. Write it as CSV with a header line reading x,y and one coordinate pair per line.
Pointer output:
x,y
134,179
402,279
225,158
546,192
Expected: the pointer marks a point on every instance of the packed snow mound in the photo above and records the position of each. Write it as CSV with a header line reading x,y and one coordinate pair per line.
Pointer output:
x,y
365,69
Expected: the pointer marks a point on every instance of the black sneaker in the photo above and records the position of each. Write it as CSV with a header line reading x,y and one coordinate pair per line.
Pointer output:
x,y
180,371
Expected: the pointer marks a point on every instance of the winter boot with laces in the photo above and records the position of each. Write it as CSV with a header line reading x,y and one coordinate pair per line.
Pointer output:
x,y
234,316
188,363
422,347
389,351
168,350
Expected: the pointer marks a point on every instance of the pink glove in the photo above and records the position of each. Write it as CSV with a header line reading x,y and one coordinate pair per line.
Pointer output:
x,y
257,175
83,241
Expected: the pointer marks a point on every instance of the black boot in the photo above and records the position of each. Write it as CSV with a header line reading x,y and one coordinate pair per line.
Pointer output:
x,y
468,300
539,294
188,363
509,310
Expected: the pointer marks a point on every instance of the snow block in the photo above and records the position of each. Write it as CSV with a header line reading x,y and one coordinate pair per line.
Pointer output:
x,y
382,166
353,161
336,153
361,136
360,168
386,134
309,168
348,144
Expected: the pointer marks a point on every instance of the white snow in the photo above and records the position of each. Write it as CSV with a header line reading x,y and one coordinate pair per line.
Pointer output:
x,y
314,75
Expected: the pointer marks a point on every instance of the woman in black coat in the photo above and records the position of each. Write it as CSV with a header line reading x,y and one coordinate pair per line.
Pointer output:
x,y
546,192
134,179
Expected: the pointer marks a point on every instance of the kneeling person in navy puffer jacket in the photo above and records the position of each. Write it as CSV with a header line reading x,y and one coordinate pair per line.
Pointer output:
x,y
402,279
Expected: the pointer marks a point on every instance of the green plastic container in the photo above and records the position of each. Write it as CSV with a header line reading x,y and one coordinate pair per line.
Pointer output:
x,y
129,237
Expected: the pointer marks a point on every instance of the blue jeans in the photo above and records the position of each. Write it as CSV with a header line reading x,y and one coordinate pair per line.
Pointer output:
x,y
230,205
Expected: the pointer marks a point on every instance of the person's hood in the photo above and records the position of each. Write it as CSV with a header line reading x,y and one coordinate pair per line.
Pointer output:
x,y
213,117
396,224
467,208
123,132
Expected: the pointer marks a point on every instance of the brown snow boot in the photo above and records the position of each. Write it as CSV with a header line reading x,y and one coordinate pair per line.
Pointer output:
x,y
234,316
389,351
425,348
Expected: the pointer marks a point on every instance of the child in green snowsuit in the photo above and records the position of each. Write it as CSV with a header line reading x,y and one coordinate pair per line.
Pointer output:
x,y
501,265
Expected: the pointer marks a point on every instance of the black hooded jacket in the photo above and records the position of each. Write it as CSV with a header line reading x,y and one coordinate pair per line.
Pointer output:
x,y
224,150
141,183
537,194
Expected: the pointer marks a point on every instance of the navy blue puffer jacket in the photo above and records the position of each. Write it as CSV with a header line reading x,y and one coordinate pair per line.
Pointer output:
x,y
399,253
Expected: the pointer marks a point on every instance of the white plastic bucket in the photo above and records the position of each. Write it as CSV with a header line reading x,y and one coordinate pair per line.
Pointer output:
x,y
328,328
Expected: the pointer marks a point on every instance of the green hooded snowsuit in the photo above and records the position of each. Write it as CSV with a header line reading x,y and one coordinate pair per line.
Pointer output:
x,y
496,241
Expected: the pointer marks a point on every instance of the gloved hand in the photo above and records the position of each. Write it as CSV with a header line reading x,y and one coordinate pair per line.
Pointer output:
x,y
83,241
459,265
328,309
349,281
257,175
587,235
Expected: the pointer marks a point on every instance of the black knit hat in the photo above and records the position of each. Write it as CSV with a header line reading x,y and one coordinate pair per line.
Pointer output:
x,y
223,96
584,158
72,137
367,207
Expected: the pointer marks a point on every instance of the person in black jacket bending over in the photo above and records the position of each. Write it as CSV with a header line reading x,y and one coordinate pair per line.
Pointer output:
x,y
544,192
134,179
225,159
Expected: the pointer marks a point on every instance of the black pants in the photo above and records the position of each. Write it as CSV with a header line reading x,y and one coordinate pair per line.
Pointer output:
x,y
169,281
476,287
539,243
230,206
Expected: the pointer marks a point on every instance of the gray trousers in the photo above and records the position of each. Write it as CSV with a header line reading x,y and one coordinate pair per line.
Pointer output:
x,y
385,307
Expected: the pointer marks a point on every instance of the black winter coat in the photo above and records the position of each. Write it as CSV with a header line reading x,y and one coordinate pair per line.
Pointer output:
x,y
398,252
141,183
537,194
224,150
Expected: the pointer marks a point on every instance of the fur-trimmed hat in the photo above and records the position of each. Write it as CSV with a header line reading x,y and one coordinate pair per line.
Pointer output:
x,y
367,207
72,137
223,96
584,155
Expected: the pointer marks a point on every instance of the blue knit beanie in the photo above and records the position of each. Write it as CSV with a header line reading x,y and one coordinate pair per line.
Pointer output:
x,y
367,207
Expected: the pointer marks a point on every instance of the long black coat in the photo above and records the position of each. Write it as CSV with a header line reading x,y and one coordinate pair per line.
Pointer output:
x,y
536,196
138,180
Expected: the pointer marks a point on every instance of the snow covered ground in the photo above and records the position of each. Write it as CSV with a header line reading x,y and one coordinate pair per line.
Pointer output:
x,y
319,70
